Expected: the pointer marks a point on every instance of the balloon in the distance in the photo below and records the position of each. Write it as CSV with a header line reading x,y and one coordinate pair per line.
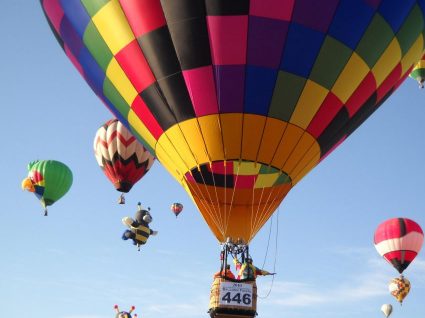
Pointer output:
x,y
387,309
176,208
399,240
124,314
122,158
49,180
235,104
418,72
399,287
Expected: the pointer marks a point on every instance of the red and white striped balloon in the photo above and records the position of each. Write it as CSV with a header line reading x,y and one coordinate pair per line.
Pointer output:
x,y
399,240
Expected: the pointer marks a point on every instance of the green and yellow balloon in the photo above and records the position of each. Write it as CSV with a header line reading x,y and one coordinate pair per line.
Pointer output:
x,y
49,180
418,72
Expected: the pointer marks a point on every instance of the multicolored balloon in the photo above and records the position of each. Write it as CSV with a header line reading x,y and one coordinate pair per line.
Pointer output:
x,y
239,100
176,208
399,287
387,309
418,72
49,180
399,240
120,155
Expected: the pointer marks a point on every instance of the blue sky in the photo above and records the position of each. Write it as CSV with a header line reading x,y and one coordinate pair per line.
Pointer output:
x,y
73,263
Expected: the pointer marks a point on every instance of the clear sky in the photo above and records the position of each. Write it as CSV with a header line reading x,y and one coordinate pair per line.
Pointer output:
x,y
73,263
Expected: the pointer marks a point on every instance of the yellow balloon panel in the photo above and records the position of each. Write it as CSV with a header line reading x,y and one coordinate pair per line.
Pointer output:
x,y
253,126
272,135
231,125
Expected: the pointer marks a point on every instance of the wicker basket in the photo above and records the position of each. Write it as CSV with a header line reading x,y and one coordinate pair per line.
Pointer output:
x,y
218,308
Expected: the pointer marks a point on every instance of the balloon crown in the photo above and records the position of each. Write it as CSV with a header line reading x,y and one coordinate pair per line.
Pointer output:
x,y
31,164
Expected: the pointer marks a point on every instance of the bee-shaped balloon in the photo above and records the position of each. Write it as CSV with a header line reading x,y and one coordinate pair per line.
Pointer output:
x,y
124,314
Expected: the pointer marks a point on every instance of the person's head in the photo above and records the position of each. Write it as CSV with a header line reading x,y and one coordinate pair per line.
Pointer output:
x,y
228,267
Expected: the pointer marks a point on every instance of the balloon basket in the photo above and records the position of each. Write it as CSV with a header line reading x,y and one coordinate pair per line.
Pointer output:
x,y
233,299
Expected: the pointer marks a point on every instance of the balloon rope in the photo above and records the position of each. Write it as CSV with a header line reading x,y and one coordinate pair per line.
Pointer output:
x,y
268,242
275,256
207,207
233,195
217,200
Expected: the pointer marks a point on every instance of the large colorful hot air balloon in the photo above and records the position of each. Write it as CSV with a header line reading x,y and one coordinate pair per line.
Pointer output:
x,y
240,99
121,156
399,240
49,180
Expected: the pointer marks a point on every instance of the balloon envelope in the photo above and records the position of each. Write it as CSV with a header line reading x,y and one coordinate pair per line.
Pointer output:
x,y
239,100
418,72
123,159
50,179
387,309
399,287
399,240
176,208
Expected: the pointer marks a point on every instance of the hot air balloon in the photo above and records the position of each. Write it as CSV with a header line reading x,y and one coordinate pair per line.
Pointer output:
x,y
176,208
418,72
399,287
124,314
121,157
399,240
49,180
387,309
239,100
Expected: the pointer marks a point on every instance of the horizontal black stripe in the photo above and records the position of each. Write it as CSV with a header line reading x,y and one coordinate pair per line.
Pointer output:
x,y
191,42
177,97
154,100
227,7
334,131
177,10
158,49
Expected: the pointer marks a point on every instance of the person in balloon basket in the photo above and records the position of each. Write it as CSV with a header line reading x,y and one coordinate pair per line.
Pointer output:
x,y
225,273
139,230
247,270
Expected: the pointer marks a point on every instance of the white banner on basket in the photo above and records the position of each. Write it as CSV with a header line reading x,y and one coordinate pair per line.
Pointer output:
x,y
236,294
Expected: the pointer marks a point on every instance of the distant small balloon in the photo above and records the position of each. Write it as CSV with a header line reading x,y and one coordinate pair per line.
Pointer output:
x,y
387,309
399,287
176,208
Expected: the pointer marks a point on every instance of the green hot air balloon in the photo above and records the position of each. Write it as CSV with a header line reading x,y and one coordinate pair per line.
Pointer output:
x,y
49,180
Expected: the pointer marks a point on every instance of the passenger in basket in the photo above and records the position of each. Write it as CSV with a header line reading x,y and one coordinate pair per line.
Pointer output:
x,y
248,271
225,273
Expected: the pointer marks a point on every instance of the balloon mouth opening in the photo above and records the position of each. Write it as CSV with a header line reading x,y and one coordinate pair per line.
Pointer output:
x,y
123,186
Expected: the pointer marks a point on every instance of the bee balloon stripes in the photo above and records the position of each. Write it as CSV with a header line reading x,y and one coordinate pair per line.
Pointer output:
x,y
49,180
239,100
121,156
